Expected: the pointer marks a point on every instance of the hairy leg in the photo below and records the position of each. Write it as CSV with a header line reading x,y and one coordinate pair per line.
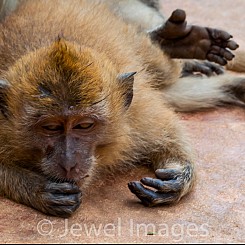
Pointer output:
x,y
175,37
180,40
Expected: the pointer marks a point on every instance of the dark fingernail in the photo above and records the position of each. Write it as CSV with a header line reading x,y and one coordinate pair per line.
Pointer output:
x,y
132,184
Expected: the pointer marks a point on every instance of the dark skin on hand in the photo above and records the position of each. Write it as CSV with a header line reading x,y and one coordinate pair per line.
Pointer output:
x,y
200,68
180,40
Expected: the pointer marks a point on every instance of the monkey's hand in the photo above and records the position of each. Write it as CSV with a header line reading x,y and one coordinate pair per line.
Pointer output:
x,y
32,189
200,68
180,40
60,199
170,186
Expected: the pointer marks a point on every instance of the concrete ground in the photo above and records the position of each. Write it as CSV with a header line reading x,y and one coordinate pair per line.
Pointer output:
x,y
214,212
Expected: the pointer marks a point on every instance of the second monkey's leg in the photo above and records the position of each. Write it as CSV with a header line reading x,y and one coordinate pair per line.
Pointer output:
x,y
180,40
175,37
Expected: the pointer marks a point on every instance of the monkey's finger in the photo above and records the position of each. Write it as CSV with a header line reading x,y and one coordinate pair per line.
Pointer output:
x,y
163,186
191,67
214,67
63,211
204,70
217,59
168,174
149,197
68,188
62,199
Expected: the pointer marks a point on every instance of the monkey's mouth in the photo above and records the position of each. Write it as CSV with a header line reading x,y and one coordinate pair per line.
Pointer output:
x,y
79,181
75,180
83,177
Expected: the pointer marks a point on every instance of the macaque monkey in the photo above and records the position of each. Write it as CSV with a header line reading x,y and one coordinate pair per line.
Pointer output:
x,y
83,92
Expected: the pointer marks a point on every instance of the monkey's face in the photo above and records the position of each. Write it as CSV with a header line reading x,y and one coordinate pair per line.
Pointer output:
x,y
68,144
67,102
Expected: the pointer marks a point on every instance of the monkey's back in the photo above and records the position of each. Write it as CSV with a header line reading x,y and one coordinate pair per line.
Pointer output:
x,y
88,23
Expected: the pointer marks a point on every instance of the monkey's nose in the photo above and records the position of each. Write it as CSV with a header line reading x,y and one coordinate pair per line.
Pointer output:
x,y
69,168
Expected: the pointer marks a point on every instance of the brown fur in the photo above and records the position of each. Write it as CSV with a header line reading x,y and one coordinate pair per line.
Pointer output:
x,y
237,64
62,60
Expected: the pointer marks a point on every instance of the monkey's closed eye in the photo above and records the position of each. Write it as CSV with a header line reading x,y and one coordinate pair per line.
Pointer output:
x,y
53,127
84,126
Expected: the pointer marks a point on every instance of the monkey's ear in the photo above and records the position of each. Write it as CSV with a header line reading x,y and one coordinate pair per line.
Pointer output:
x,y
126,80
4,85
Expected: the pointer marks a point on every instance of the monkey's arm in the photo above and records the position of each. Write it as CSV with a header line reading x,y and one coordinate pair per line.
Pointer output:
x,y
171,158
29,188
180,40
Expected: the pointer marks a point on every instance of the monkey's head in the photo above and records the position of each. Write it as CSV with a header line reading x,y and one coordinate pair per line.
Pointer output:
x,y
59,104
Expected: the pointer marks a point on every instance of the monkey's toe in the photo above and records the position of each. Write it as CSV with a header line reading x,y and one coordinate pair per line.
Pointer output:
x,y
220,44
177,16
